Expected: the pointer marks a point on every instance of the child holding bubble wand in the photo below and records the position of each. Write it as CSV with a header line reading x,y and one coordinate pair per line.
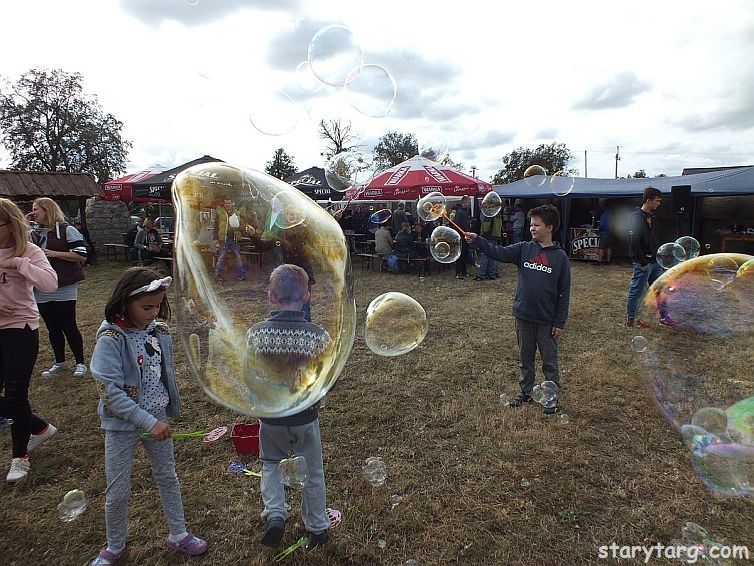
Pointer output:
x,y
132,366
542,297
271,339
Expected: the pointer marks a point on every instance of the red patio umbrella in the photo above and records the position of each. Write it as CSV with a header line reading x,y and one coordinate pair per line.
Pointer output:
x,y
122,189
415,178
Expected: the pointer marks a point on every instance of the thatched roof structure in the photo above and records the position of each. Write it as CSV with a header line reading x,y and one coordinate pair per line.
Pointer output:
x,y
28,185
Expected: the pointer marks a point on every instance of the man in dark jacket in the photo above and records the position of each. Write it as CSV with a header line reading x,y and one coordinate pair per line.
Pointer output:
x,y
461,218
642,248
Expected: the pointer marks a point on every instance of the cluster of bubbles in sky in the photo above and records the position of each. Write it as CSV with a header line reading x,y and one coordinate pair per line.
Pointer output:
x,y
334,61
696,354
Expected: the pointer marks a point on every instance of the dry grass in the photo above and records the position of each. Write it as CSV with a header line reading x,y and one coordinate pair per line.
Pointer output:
x,y
616,472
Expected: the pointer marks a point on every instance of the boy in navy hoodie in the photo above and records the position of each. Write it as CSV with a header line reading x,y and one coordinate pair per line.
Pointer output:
x,y
542,295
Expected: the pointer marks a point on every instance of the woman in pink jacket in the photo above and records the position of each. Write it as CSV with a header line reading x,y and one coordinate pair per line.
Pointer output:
x,y
23,266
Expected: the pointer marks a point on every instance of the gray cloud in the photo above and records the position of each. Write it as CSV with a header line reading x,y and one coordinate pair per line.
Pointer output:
x,y
484,140
618,92
547,134
733,112
153,12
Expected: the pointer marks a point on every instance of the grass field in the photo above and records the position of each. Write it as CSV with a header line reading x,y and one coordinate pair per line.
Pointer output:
x,y
617,472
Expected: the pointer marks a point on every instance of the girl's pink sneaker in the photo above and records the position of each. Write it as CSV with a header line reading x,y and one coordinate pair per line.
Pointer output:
x,y
191,545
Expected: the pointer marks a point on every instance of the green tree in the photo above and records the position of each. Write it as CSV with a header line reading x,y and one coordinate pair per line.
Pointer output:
x,y
48,123
338,137
640,174
553,157
281,165
394,148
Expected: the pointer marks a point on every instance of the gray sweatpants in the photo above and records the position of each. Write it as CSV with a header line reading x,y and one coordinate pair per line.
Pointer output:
x,y
119,457
275,443
531,336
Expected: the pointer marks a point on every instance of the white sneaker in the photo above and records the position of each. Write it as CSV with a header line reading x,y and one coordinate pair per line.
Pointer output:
x,y
36,439
80,370
54,370
19,467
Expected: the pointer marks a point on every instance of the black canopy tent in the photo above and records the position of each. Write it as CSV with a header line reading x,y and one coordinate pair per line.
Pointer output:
x,y
158,187
312,183
730,182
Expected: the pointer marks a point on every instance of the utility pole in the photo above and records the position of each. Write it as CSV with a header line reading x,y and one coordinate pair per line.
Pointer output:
x,y
586,169
617,158
473,170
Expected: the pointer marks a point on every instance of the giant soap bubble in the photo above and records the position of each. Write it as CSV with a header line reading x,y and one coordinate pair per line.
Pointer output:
x,y
267,372
697,359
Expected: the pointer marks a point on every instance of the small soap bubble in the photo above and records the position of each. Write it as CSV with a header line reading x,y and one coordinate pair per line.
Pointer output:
x,y
721,270
711,419
504,399
562,183
372,92
381,216
73,505
305,79
690,245
274,113
382,543
374,471
431,207
535,176
525,482
347,169
491,204
639,344
445,244
670,254
707,246
564,418
293,471
437,152
395,500
395,324
287,210
335,56
411,562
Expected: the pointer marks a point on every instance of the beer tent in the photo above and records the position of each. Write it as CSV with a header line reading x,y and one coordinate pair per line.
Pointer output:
x,y
122,188
312,183
157,187
730,182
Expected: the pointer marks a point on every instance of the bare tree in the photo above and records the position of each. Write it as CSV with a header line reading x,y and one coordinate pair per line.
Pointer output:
x,y
338,137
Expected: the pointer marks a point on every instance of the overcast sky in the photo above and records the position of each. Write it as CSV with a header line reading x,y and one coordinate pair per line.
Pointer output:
x,y
671,83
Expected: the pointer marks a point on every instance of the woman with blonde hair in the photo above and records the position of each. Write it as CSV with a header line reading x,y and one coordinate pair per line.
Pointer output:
x,y
65,249
23,266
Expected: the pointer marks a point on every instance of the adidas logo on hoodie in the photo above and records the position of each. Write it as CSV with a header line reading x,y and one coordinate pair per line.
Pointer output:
x,y
538,263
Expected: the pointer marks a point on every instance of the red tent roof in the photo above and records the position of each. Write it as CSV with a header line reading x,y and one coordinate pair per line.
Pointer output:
x,y
122,189
415,178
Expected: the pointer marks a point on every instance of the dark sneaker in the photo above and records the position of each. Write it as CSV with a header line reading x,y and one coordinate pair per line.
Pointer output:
x,y
520,400
667,321
319,539
550,410
273,533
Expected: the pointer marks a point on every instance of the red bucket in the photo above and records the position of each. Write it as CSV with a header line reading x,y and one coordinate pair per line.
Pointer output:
x,y
245,437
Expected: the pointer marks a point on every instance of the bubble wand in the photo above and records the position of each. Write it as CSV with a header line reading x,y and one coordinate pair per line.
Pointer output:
x,y
282,555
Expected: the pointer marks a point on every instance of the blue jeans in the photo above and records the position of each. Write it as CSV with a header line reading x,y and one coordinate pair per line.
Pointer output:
x,y
487,267
641,279
235,248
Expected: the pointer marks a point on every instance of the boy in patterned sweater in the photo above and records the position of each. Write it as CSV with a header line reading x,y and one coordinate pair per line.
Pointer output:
x,y
287,342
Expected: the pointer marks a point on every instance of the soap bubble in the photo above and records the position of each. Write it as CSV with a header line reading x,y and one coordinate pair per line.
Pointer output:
x,y
491,204
73,505
639,344
437,152
372,92
395,500
504,399
445,244
374,471
699,317
381,216
535,176
395,324
274,113
382,543
562,183
690,245
670,254
545,393
347,169
335,56
525,482
431,207
293,471
306,81
563,418
221,303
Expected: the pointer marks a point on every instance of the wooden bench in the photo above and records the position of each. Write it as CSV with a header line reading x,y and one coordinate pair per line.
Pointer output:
x,y
367,259
252,256
114,248
423,263
168,260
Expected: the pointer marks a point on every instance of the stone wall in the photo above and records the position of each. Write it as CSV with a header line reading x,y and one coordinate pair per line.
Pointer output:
x,y
107,221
